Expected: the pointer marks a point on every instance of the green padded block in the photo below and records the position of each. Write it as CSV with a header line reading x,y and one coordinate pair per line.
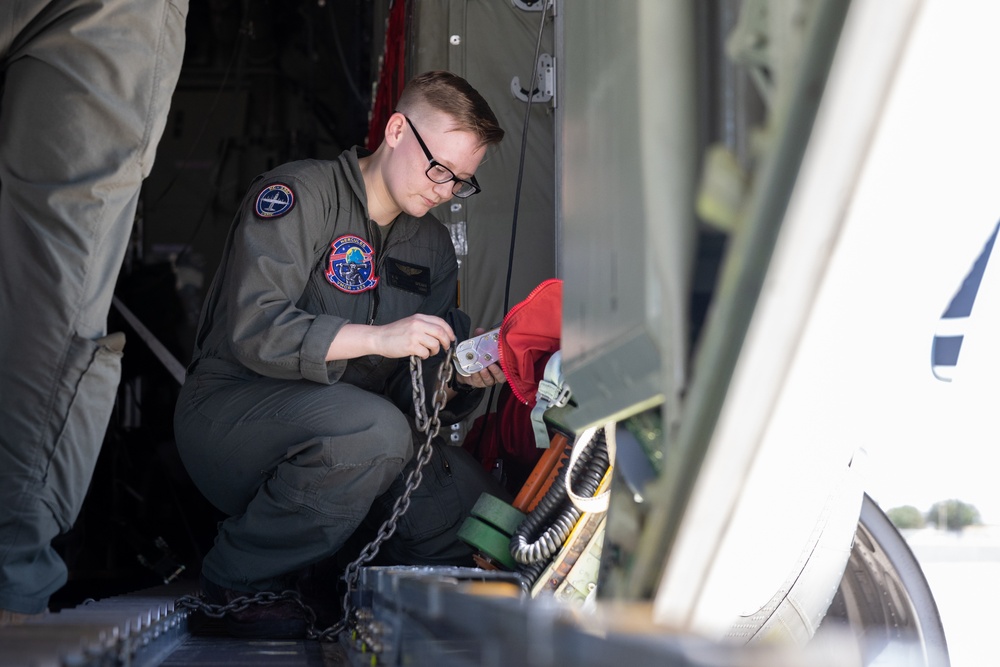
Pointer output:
x,y
497,513
488,540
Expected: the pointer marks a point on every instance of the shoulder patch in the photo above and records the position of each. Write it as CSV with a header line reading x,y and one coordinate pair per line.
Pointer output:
x,y
274,201
351,266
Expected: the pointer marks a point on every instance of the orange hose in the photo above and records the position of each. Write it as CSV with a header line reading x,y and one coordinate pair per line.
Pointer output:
x,y
542,475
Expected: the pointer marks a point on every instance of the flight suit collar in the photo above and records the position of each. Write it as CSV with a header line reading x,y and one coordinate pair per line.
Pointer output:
x,y
405,225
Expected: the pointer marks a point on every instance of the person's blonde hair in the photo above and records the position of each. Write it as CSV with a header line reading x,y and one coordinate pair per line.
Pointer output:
x,y
451,94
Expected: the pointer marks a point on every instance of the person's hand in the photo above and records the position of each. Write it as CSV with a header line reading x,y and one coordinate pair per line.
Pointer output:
x,y
488,377
417,335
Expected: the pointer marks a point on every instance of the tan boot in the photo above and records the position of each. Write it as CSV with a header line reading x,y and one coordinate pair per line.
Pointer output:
x,y
15,617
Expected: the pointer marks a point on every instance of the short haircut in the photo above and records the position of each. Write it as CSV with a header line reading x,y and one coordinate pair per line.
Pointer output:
x,y
451,94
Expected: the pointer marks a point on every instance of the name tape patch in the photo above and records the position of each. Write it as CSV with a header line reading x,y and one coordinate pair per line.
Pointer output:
x,y
408,277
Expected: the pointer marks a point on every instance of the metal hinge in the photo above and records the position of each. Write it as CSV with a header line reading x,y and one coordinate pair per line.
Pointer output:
x,y
545,82
534,5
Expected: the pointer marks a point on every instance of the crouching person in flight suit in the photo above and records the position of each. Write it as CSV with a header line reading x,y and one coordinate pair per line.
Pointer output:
x,y
297,415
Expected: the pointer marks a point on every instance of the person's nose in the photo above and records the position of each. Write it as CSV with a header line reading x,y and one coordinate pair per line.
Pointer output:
x,y
444,191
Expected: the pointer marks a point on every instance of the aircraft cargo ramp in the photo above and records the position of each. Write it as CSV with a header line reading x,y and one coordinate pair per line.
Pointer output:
x,y
424,616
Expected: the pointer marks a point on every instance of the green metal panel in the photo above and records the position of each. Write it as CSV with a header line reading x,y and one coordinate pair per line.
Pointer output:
x,y
627,146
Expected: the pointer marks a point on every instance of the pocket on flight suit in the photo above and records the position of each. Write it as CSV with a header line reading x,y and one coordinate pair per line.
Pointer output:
x,y
84,399
427,534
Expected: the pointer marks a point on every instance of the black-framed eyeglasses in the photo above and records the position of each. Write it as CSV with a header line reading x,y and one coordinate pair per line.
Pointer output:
x,y
438,173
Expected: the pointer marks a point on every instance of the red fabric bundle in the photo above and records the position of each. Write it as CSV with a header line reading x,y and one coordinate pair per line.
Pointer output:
x,y
530,334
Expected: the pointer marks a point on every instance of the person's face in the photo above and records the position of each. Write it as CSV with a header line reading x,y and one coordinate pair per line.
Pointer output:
x,y
434,151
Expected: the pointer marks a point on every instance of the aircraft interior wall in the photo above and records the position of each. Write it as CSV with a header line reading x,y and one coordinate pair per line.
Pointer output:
x,y
492,44
604,198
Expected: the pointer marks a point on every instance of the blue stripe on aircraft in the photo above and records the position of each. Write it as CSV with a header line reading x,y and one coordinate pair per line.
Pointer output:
x,y
946,348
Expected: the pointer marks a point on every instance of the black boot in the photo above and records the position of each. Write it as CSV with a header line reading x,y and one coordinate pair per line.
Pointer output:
x,y
267,617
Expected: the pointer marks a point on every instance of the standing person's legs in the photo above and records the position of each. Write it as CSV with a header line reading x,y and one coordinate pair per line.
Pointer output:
x,y
87,87
295,464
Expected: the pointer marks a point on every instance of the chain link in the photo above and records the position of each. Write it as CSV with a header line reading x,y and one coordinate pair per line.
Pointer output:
x,y
429,425
239,604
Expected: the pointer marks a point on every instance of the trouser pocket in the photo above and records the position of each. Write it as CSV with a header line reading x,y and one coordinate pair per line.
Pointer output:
x,y
427,534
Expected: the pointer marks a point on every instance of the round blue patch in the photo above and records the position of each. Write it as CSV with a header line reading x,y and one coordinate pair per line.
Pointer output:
x,y
351,267
274,201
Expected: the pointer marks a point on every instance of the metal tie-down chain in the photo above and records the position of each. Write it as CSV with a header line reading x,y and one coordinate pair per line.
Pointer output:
x,y
430,425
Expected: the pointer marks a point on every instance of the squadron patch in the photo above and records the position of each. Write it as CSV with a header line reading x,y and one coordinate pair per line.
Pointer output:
x,y
274,201
351,267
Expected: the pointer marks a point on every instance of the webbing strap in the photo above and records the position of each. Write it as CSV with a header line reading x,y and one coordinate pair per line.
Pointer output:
x,y
600,502
552,393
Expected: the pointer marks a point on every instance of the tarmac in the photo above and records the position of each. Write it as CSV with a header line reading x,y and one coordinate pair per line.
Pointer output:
x,y
963,572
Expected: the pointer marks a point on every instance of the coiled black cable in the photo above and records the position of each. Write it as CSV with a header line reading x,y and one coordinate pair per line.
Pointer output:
x,y
555,515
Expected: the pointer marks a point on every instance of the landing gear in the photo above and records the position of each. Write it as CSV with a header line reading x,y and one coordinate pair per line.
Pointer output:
x,y
884,600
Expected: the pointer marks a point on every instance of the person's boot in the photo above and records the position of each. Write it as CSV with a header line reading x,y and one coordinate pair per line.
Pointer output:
x,y
285,618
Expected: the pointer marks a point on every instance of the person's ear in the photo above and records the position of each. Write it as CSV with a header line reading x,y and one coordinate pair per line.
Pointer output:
x,y
394,129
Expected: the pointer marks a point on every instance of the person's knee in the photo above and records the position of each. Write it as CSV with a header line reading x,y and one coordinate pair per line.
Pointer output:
x,y
392,432
373,458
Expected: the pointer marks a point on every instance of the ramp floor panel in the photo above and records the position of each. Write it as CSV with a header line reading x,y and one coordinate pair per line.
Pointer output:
x,y
147,629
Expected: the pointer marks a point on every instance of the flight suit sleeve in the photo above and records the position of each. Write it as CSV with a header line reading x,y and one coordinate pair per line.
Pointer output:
x,y
283,231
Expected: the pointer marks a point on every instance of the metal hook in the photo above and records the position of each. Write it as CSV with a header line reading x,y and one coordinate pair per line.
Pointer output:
x,y
545,82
